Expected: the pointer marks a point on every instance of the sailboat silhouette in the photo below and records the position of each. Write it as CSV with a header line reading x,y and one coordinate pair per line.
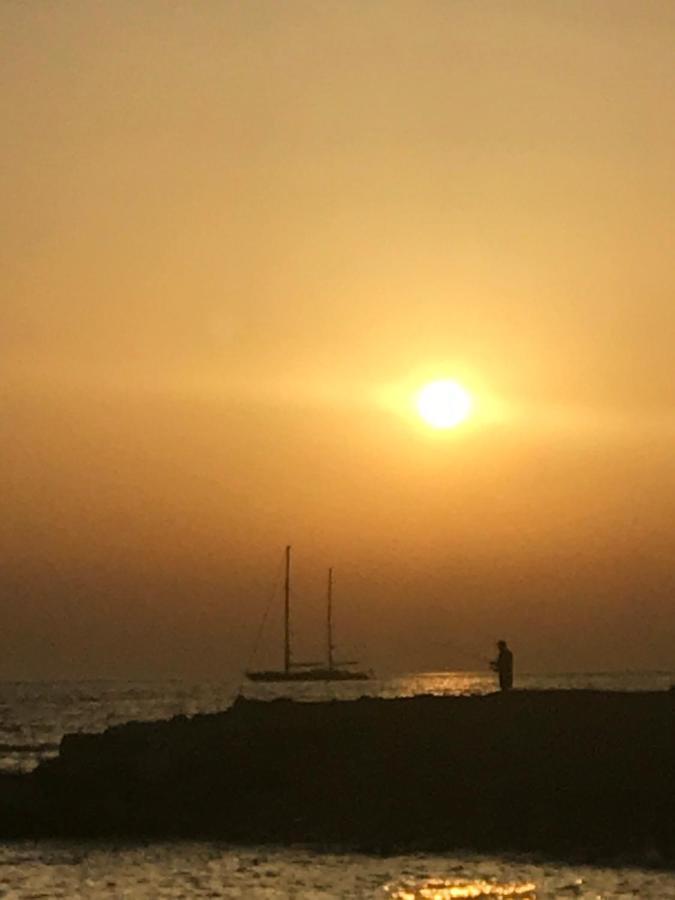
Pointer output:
x,y
298,671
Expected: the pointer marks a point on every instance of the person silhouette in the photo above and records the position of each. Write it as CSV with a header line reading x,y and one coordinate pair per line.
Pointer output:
x,y
503,665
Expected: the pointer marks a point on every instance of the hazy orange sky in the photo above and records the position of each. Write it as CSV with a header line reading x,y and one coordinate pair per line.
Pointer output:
x,y
237,236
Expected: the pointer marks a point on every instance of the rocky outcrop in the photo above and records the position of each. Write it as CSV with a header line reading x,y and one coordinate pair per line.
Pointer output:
x,y
576,773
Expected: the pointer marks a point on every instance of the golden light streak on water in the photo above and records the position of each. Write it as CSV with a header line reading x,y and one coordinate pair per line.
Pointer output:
x,y
453,890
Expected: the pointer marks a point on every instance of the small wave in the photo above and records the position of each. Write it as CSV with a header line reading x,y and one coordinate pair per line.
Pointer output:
x,y
28,748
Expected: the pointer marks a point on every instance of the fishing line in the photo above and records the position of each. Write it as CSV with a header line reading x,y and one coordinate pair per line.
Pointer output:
x,y
261,627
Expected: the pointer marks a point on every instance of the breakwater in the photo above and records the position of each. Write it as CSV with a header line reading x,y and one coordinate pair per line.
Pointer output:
x,y
575,773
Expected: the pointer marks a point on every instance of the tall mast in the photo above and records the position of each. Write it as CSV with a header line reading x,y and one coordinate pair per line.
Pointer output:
x,y
287,612
329,619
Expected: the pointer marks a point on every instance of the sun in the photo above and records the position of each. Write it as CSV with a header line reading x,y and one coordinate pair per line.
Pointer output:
x,y
444,404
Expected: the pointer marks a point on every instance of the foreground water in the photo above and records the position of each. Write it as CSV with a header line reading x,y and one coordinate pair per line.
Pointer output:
x,y
34,716
47,870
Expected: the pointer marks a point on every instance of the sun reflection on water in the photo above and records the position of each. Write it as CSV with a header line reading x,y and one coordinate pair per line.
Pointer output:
x,y
438,889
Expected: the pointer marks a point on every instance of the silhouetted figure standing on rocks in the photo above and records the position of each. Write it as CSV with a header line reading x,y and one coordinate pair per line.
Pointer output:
x,y
504,666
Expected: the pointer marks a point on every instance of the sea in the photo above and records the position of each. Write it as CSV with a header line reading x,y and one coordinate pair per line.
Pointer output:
x,y
34,716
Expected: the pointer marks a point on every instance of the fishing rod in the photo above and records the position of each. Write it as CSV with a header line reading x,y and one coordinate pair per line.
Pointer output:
x,y
462,649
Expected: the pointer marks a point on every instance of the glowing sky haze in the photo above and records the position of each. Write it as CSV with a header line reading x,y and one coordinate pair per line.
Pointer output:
x,y
239,237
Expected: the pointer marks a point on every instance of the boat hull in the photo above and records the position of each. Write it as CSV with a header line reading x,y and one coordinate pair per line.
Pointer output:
x,y
309,675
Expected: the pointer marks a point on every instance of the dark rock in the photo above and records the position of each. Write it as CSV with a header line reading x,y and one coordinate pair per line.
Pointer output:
x,y
580,773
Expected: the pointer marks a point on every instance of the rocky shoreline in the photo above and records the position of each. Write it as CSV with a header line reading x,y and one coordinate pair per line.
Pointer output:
x,y
582,774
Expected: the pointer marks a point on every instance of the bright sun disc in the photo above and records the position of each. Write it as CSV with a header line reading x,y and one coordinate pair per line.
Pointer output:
x,y
444,404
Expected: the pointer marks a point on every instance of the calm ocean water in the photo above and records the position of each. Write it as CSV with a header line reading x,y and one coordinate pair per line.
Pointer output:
x,y
35,715
48,870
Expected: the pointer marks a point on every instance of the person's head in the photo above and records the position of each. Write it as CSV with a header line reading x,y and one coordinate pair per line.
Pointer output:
x,y
501,645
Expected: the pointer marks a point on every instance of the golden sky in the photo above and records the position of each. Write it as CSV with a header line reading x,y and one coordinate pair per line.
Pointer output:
x,y
238,236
